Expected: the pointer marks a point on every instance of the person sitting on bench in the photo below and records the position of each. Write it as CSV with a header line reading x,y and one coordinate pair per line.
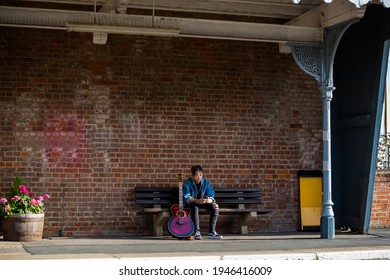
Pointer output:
x,y
198,193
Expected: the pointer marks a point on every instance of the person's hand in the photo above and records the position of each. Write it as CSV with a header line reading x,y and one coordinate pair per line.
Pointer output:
x,y
204,200
200,201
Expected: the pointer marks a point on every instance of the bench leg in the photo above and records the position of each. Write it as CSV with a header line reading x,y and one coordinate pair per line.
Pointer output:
x,y
244,220
158,223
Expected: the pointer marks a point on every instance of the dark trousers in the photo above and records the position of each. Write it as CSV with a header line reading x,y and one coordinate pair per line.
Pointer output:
x,y
195,215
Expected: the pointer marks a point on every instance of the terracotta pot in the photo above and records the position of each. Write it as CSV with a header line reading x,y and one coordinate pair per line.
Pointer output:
x,y
23,227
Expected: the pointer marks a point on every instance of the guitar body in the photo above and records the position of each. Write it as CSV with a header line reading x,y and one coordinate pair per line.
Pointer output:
x,y
180,225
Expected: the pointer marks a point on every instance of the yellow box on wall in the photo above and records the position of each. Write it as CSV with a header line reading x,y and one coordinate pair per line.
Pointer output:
x,y
310,190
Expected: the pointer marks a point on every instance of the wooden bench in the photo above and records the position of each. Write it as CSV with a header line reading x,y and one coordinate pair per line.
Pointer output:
x,y
157,201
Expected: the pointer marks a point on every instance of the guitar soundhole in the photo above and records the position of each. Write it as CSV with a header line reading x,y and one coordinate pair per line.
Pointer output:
x,y
180,214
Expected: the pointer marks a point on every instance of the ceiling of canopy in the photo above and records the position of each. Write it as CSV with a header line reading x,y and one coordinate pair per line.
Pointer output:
x,y
259,20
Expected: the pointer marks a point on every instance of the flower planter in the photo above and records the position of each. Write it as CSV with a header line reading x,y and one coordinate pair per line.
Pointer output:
x,y
23,227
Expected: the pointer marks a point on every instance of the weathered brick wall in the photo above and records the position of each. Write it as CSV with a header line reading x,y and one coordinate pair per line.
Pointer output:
x,y
87,123
380,212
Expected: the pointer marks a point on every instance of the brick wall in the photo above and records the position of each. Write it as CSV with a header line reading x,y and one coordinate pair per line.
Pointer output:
x,y
380,212
87,123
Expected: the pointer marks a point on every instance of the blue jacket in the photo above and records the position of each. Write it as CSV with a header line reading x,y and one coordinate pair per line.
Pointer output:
x,y
189,190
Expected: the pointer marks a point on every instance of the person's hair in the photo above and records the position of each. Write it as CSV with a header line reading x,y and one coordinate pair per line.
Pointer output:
x,y
195,169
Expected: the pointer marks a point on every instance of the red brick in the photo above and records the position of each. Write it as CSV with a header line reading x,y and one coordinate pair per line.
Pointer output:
x,y
95,129
380,214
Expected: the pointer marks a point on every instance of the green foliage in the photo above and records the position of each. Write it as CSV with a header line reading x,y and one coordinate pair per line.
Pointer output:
x,y
15,185
21,201
383,161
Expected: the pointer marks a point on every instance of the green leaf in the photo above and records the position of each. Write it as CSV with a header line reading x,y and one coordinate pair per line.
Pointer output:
x,y
15,186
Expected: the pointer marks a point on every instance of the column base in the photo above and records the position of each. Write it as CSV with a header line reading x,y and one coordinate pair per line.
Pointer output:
x,y
327,227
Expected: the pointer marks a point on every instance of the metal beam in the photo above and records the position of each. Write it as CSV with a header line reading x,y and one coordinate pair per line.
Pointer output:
x,y
284,9
228,7
213,29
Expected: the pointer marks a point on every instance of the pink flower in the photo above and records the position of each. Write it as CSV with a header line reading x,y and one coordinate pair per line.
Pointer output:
x,y
7,208
3,200
16,197
36,202
23,189
45,196
40,198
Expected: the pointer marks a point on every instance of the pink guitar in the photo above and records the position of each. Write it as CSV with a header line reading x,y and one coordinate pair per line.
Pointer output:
x,y
180,225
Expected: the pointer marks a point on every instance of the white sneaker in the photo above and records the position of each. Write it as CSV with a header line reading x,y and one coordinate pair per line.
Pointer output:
x,y
197,235
214,235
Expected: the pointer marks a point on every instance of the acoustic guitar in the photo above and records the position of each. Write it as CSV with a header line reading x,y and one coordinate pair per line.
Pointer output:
x,y
180,225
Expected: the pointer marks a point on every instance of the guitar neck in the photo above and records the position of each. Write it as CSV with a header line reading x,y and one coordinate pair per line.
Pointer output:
x,y
181,206
180,178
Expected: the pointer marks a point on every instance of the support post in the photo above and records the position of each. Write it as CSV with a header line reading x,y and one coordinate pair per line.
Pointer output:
x,y
244,220
327,222
317,61
158,222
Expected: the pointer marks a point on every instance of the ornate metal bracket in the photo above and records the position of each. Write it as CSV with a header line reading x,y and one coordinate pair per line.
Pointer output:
x,y
308,59
317,60
332,37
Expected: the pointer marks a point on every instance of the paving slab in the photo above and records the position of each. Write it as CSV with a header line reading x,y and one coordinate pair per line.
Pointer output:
x,y
290,245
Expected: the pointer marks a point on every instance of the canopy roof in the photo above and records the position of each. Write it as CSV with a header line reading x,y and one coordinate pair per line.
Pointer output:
x,y
260,20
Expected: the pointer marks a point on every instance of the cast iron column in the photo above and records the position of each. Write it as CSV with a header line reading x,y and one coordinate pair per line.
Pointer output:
x,y
327,216
317,61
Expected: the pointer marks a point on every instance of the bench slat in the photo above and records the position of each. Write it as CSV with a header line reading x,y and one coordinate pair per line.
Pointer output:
x,y
221,210
159,201
216,189
217,195
243,195
238,201
219,201
243,189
